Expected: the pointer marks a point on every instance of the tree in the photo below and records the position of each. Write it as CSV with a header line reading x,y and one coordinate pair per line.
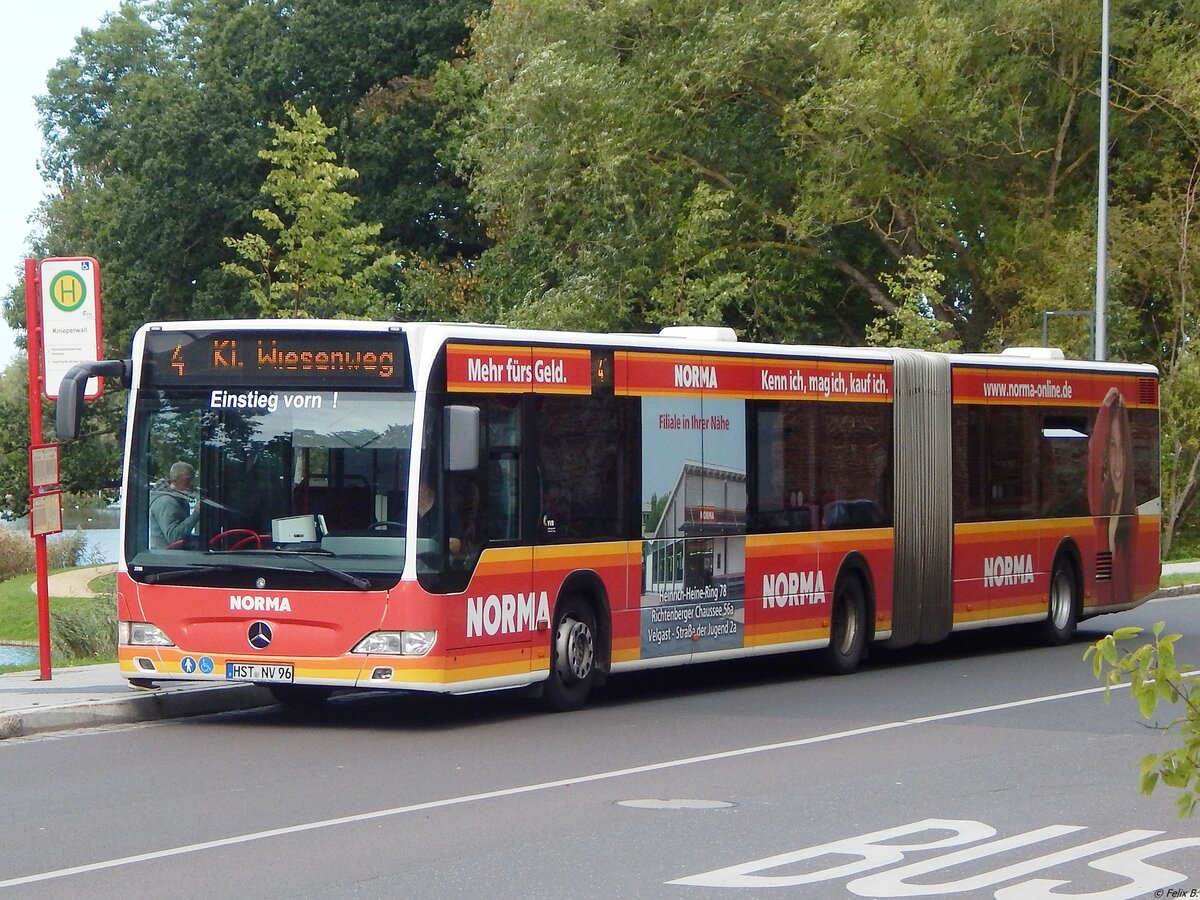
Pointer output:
x,y
88,464
1156,677
916,290
1180,444
319,263
766,164
154,122
1176,273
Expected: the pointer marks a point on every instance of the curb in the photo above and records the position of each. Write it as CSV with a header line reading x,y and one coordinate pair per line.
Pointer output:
x,y
149,706
1182,590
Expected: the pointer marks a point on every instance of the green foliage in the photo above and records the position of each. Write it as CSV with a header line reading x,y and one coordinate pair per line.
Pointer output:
x,y
917,292
88,464
85,630
1184,546
1180,443
319,264
1156,677
770,165
154,122
19,612
17,552
153,126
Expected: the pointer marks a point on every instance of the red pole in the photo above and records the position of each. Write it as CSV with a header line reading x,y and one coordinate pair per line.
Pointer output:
x,y
33,332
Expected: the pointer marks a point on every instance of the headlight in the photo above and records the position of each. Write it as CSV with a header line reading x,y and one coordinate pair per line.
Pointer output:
x,y
397,643
142,634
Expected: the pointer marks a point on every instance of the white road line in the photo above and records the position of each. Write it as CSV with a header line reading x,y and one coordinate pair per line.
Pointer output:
x,y
541,786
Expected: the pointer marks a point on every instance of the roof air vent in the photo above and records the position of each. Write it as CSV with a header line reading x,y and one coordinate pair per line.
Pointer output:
x,y
1034,352
700,332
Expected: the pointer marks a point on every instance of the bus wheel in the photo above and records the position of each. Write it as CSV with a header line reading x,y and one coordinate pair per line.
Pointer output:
x,y
848,632
572,657
1063,609
300,696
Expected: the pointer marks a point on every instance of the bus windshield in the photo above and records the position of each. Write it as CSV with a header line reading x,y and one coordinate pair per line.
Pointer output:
x,y
305,482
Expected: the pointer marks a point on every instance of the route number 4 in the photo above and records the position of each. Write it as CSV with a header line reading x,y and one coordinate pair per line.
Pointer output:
x,y
882,852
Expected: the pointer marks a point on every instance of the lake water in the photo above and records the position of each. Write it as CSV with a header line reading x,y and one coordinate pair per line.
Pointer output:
x,y
17,654
101,546
102,538
99,527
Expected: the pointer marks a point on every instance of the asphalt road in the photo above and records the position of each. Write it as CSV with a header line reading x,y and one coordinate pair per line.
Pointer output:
x,y
980,767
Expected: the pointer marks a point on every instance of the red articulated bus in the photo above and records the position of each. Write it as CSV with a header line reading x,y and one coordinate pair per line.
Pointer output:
x,y
457,508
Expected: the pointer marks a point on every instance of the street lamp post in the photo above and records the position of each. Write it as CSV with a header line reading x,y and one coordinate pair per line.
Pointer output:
x,y
1101,346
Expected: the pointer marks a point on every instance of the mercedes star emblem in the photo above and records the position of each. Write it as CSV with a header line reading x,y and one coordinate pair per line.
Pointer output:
x,y
259,635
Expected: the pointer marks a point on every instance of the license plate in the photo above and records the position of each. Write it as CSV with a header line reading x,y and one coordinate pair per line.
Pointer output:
x,y
237,671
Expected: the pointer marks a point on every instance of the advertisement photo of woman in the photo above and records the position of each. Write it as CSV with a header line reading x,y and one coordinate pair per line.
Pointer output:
x,y
1111,491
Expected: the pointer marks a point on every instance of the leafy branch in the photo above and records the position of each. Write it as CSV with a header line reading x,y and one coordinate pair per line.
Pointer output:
x,y
1154,677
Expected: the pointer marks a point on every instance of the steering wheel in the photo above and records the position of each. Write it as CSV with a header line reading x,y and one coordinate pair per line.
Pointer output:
x,y
385,525
245,537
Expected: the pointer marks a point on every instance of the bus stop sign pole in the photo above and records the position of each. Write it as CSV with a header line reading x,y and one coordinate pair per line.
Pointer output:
x,y
62,322
33,330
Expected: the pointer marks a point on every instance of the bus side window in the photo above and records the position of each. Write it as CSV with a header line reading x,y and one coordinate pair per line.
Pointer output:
x,y
586,461
784,492
504,494
503,438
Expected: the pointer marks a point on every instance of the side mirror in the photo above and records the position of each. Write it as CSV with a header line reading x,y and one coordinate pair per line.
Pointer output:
x,y
461,438
74,383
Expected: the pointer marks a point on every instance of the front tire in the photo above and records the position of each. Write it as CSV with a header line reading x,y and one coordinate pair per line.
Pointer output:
x,y
1062,613
848,628
573,655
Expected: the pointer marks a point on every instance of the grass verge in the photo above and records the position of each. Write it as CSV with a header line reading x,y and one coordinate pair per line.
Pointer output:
x,y
82,629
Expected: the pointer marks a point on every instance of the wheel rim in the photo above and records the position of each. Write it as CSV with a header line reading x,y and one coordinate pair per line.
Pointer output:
x,y
847,629
577,649
1061,600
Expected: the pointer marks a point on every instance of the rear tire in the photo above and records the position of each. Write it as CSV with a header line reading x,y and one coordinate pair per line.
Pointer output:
x,y
1062,612
848,628
573,655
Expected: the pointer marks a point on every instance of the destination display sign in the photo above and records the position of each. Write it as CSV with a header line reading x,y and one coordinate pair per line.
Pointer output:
x,y
275,358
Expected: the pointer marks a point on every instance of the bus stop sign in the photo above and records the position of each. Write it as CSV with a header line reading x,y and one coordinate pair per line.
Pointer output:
x,y
70,308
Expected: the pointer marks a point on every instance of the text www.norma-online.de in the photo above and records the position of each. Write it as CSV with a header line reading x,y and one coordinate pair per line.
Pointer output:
x,y
1047,390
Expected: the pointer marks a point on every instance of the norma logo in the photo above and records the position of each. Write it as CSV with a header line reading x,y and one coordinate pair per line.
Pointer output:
x,y
67,291
695,376
793,589
1006,571
256,603
506,614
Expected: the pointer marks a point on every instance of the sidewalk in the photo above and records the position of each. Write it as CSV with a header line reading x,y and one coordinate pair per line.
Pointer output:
x,y
1180,568
75,582
89,696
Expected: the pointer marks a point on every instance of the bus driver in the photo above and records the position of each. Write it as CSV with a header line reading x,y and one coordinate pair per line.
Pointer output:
x,y
171,517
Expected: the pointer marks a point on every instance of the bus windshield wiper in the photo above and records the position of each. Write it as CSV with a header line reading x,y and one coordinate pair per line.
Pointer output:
x,y
353,580
172,574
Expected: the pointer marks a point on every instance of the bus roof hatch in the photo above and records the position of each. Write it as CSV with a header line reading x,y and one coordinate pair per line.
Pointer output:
x,y
1034,352
700,332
